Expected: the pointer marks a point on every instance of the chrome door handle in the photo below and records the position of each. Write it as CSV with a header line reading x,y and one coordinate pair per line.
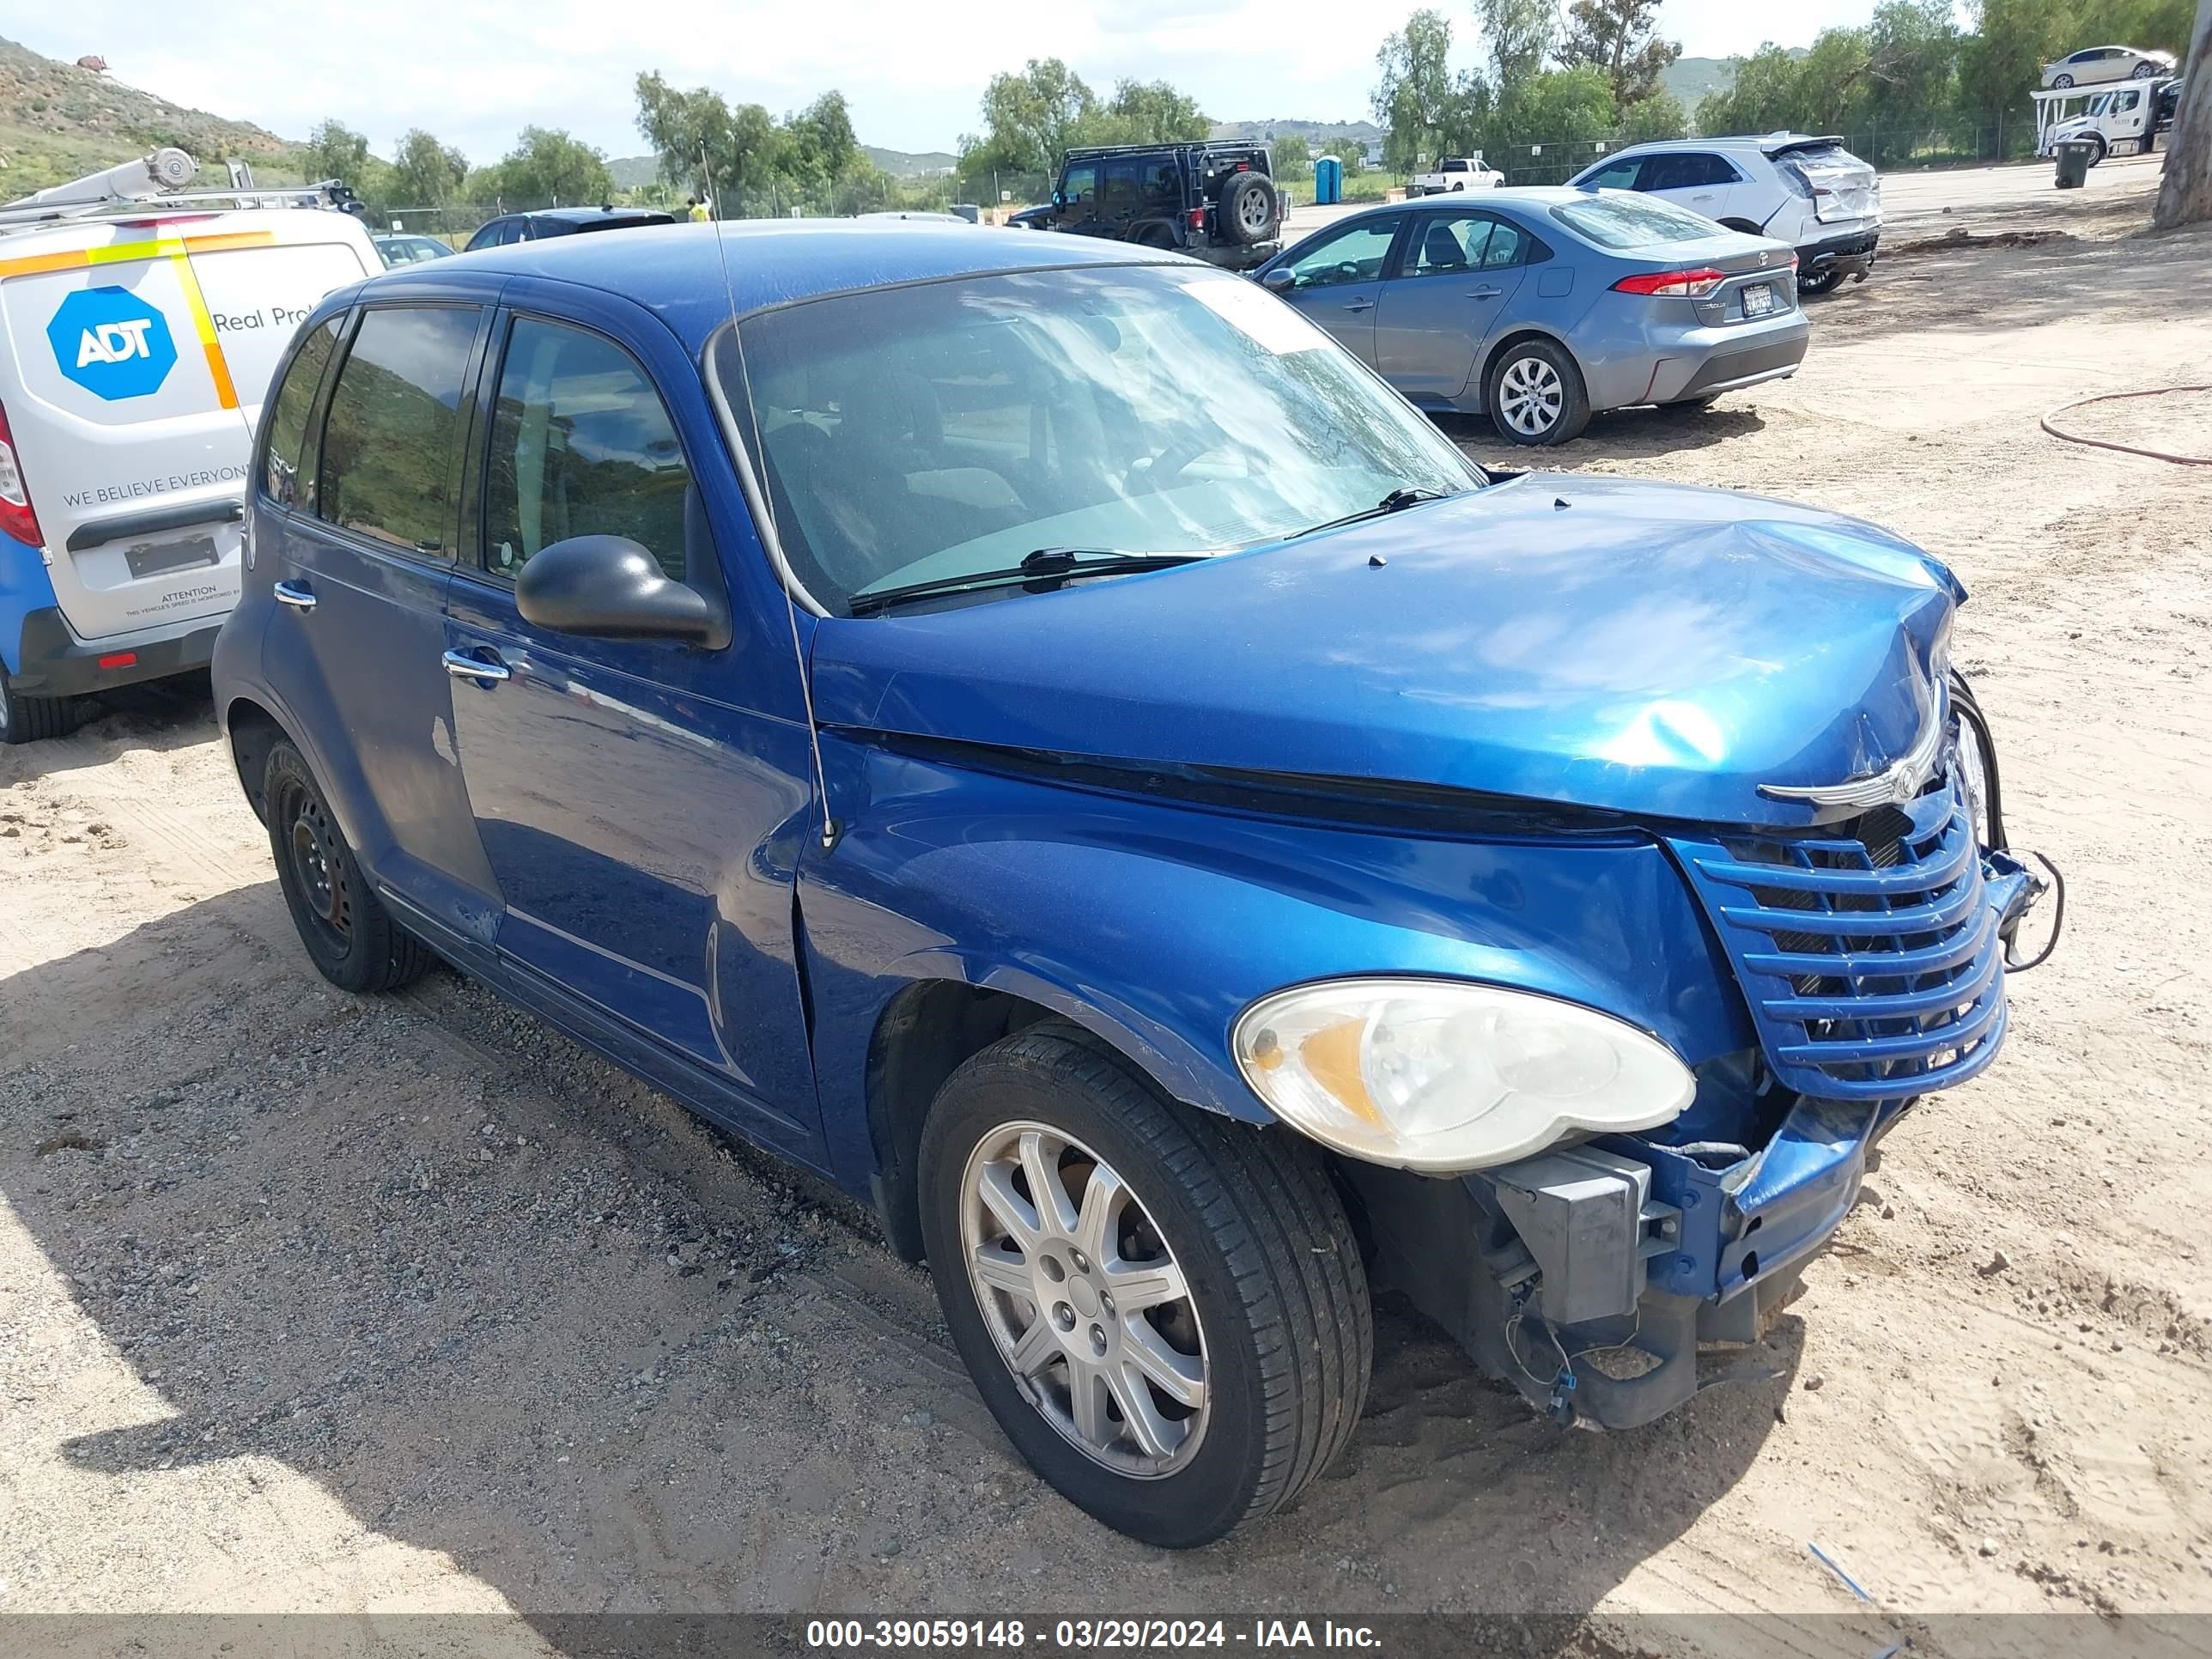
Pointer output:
x,y
292,593
462,666
1483,292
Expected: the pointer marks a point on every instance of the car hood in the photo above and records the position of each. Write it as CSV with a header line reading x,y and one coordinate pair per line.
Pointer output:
x,y
1648,649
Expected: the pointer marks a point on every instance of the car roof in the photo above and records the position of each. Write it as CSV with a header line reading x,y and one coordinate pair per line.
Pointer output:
x,y
577,216
691,275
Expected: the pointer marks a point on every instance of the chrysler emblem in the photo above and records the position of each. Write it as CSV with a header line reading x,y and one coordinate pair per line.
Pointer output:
x,y
1900,781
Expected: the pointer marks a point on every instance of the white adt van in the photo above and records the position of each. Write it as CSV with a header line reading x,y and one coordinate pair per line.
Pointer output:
x,y
140,328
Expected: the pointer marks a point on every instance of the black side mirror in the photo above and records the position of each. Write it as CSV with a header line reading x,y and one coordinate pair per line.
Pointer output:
x,y
1281,279
608,587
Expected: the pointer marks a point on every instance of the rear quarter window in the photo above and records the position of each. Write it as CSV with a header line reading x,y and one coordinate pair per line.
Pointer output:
x,y
1626,221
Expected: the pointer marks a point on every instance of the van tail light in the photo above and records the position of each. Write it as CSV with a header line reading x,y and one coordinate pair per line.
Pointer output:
x,y
1198,218
1673,285
16,517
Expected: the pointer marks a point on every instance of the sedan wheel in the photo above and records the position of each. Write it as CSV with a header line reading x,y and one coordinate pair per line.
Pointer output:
x,y
1087,1304
1536,394
2063,80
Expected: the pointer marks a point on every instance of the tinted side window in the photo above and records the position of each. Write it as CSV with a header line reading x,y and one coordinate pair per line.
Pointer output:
x,y
1615,175
580,446
388,443
1162,184
1119,194
287,472
1081,184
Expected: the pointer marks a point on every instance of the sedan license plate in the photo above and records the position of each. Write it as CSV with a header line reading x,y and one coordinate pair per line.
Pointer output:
x,y
1758,299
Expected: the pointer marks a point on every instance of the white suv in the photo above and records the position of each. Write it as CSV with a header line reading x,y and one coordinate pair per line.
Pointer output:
x,y
1809,192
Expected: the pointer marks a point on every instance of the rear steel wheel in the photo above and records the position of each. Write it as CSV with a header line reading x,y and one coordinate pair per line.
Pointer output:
x,y
350,935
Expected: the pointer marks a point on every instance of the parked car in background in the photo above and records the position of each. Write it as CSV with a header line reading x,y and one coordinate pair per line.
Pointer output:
x,y
399,248
1539,895
1543,304
140,332
1456,173
1808,191
563,222
2097,64
1216,201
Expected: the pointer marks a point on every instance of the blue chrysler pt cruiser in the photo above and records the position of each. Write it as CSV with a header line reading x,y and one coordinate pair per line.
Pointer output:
x,y
1031,730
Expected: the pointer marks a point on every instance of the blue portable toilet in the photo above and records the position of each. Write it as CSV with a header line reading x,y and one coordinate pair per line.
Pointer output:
x,y
1328,181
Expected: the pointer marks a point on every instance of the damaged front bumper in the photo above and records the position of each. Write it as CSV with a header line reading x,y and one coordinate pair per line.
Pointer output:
x,y
1601,1269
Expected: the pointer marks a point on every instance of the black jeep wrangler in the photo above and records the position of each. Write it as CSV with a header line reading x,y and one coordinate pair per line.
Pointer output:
x,y
1216,201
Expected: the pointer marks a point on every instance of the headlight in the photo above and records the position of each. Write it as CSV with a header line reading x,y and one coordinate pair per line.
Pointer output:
x,y
1438,1075
1974,780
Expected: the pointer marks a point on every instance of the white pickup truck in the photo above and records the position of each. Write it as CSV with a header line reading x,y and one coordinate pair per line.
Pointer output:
x,y
1456,173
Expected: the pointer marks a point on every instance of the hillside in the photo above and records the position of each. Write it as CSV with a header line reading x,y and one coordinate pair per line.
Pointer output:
x,y
1691,78
911,164
57,121
1320,135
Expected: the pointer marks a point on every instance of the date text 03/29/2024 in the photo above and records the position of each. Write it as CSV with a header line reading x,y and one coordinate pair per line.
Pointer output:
x,y
893,1634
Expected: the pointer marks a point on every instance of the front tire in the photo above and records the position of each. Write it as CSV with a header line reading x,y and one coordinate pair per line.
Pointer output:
x,y
1536,395
351,936
32,719
1164,1310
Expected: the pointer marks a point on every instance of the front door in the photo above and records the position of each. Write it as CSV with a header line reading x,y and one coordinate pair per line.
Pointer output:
x,y
642,817
1457,275
363,554
1337,281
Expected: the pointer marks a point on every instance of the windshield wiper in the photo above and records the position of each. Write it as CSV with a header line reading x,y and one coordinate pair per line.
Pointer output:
x,y
1040,571
1396,500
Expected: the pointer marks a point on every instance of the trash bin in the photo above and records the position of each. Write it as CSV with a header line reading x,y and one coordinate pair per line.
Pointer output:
x,y
2074,156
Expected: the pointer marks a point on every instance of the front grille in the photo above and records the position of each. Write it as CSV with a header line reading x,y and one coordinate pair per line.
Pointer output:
x,y
1868,952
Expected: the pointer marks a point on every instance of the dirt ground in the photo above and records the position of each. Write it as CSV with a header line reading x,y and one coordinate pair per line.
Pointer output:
x,y
309,1302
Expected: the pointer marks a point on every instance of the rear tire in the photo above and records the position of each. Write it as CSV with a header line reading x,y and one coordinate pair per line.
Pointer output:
x,y
1258,1314
2062,81
1535,394
350,935
33,720
1821,282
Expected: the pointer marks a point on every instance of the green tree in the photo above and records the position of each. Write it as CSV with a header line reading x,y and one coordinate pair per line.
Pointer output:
x,y
1518,35
1149,112
425,173
335,150
1029,118
547,165
1912,55
1620,37
1416,96
1293,155
1659,116
706,147
1564,107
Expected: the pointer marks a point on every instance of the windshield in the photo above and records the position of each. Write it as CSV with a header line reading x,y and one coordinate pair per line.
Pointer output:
x,y
920,433
1620,219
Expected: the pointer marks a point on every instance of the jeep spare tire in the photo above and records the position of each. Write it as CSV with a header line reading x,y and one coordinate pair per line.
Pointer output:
x,y
1247,210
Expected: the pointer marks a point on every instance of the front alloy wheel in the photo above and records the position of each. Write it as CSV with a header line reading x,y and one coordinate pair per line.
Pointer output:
x,y
1165,1310
1088,1306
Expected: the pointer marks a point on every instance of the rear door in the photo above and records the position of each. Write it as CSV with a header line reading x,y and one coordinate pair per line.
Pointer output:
x,y
627,791
144,353
1337,279
1701,180
362,556
1457,275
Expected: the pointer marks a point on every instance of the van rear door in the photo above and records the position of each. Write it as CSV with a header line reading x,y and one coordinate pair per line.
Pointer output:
x,y
142,351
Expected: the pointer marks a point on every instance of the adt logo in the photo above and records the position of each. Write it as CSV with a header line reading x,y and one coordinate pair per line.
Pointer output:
x,y
111,343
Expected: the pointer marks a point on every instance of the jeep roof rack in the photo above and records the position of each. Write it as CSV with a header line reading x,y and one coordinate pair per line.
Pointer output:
x,y
158,179
1166,143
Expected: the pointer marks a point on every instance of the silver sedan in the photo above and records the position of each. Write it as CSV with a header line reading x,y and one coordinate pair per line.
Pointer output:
x,y
1539,305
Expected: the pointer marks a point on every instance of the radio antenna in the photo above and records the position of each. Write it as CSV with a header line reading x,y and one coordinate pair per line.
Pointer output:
x,y
767,505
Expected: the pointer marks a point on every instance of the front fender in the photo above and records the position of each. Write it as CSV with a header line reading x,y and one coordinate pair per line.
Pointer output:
x,y
1155,924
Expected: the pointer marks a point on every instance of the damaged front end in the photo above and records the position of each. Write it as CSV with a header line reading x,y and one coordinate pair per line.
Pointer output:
x,y
1871,954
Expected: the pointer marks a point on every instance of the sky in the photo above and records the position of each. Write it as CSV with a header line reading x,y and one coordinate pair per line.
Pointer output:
x,y
474,72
